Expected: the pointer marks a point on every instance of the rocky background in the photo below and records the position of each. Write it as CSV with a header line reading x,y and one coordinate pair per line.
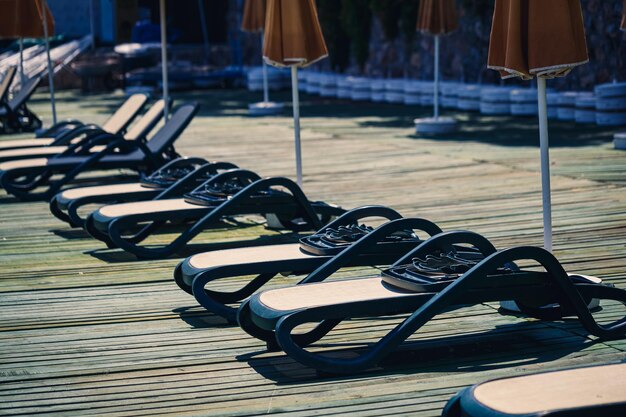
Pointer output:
x,y
386,45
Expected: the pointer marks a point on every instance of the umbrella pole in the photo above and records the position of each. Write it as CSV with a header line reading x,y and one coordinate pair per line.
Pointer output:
x,y
165,82
545,163
22,76
205,33
266,94
436,81
296,122
50,69
92,25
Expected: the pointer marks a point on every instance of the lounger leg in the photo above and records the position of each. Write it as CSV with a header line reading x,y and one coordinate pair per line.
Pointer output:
x,y
244,318
57,212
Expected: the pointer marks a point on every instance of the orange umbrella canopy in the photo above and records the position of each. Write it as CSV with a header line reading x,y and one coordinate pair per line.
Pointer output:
x,y
437,17
537,38
24,19
253,16
293,36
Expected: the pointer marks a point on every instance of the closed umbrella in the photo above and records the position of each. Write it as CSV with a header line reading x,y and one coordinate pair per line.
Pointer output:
x,y
543,39
29,19
623,25
293,38
436,17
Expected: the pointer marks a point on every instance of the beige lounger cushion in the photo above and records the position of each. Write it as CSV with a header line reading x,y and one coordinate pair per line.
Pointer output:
x,y
112,211
35,152
74,193
24,143
41,151
23,163
327,293
555,390
255,254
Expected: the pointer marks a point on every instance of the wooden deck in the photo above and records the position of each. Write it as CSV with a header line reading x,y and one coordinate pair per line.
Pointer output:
x,y
90,331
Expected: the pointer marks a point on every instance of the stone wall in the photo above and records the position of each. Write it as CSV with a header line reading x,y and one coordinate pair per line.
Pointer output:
x,y
464,52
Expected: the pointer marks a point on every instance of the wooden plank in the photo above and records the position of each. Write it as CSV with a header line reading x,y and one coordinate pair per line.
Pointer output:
x,y
89,331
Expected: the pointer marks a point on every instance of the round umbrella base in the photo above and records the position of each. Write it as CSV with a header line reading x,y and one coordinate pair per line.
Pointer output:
x,y
269,108
432,126
619,140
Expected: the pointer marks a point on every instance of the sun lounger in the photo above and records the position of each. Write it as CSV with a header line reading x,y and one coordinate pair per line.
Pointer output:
x,y
265,262
6,83
431,279
22,178
172,180
70,131
14,113
138,131
583,392
236,192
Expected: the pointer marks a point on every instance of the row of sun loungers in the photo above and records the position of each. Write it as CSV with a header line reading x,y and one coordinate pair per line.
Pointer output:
x,y
426,271
35,60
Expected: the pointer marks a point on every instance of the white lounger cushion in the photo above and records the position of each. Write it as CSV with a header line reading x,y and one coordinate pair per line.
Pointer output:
x,y
555,390
250,255
328,293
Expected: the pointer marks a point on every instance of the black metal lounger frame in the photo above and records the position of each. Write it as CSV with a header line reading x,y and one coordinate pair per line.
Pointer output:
x,y
215,301
150,162
94,136
66,130
203,167
18,116
465,403
473,287
235,205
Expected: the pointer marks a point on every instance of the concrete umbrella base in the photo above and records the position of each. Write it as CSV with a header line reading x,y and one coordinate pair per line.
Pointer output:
x,y
619,140
263,108
435,126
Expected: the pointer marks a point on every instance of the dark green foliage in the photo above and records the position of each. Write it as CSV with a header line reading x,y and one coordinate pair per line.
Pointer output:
x,y
477,7
388,12
408,21
356,19
337,39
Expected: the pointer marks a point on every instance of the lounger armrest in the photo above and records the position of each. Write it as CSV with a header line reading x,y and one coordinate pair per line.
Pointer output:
x,y
89,143
367,242
443,241
54,129
359,213
211,168
87,130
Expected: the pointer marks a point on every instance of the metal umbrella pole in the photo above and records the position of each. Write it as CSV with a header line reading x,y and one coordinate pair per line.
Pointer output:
x,y
50,69
205,33
92,24
22,75
545,163
296,122
436,80
166,92
266,94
